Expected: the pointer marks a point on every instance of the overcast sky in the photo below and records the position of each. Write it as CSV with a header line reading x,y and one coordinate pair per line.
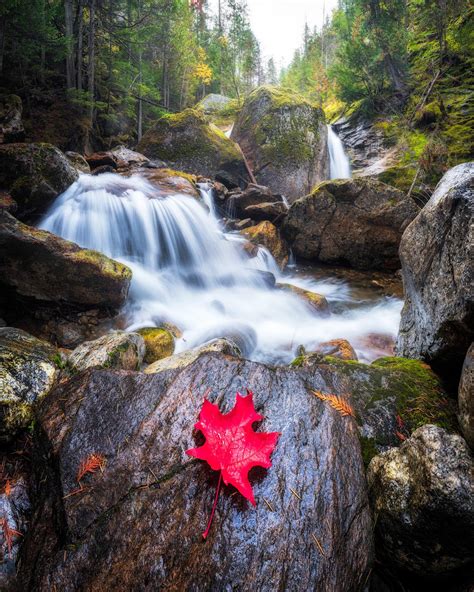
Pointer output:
x,y
279,24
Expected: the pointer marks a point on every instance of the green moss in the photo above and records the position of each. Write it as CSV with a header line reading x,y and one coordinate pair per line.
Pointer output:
x,y
297,362
108,267
115,356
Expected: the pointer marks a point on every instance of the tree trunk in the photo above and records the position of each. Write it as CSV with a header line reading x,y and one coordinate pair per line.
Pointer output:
x,y
3,34
80,33
140,79
69,22
91,64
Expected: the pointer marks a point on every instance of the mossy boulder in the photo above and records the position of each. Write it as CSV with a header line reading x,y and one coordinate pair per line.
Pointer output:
x,y
193,145
353,222
42,266
11,125
391,397
268,236
316,302
159,343
35,174
284,138
28,369
118,350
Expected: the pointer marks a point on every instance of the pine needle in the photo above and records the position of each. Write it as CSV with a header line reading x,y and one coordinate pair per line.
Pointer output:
x,y
8,534
90,465
336,402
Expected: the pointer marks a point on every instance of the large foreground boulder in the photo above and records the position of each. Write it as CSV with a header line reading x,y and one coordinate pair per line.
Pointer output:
x,y
422,497
437,254
28,368
139,520
34,174
43,266
354,222
284,138
195,146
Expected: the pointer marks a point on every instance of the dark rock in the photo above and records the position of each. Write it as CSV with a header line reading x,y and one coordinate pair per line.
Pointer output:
x,y
7,203
437,254
78,162
284,138
100,159
11,125
34,174
237,202
466,398
274,212
139,522
40,265
243,224
27,373
354,222
422,496
195,146
267,235
105,168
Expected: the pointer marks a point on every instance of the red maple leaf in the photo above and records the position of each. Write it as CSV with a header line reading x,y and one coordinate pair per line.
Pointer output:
x,y
232,446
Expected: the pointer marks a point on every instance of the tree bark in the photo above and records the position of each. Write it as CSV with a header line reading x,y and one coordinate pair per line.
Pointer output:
x,y
80,41
3,34
140,79
91,64
69,23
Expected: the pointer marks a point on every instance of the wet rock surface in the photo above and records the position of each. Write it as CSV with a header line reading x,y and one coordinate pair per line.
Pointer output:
x,y
422,496
466,398
28,370
437,254
159,343
316,302
355,222
139,522
42,266
119,350
267,235
284,138
34,174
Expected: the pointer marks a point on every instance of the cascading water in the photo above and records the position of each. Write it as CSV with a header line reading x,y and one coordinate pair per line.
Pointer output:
x,y
186,271
339,165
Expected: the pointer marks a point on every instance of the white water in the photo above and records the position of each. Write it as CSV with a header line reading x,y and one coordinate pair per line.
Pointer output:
x,y
339,165
186,271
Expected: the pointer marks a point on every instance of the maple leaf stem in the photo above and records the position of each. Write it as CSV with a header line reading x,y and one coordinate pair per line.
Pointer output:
x,y
206,532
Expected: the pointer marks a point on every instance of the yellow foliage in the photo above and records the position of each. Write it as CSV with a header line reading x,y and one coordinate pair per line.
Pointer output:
x,y
202,71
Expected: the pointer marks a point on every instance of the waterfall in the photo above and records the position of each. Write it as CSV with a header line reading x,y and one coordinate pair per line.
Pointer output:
x,y
187,272
339,165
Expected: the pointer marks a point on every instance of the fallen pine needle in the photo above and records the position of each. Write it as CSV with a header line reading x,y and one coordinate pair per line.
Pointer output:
x,y
318,544
336,402
90,465
8,534
270,507
294,493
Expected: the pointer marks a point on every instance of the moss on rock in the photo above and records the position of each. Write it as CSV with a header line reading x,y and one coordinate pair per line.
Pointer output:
x,y
159,343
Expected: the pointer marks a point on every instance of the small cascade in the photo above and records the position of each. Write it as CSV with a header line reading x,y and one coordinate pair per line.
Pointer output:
x,y
339,165
187,272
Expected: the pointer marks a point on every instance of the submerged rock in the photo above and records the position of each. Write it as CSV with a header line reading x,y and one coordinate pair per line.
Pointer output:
x,y
28,369
337,348
267,235
11,124
466,398
437,254
195,146
139,521
422,496
159,343
284,138
45,267
34,174
171,182
355,222
317,302
119,350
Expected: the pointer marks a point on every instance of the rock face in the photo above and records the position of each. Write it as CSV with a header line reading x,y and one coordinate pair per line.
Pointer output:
x,y
139,522
195,146
34,174
466,398
27,373
437,254
11,125
422,496
284,138
354,222
268,235
40,265
237,202
119,350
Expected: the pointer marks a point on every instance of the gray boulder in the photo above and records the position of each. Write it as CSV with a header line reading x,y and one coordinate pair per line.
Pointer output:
x,y
354,222
422,496
466,397
437,255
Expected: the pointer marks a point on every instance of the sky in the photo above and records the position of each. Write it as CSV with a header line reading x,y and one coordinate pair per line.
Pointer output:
x,y
279,24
